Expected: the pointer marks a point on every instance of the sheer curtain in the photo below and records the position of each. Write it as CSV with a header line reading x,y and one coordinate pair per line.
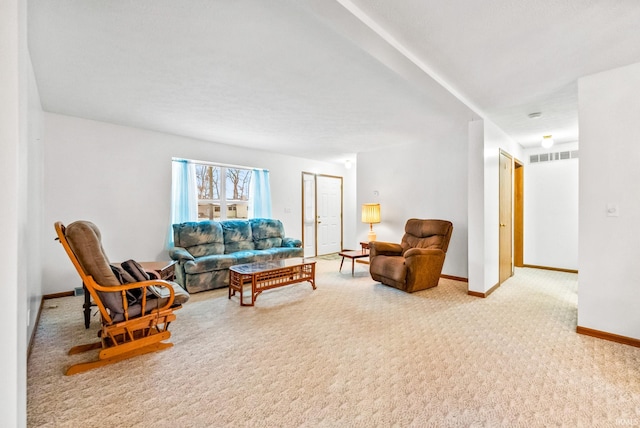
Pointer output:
x,y
184,195
260,194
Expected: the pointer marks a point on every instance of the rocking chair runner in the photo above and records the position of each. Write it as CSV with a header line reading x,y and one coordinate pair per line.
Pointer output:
x,y
127,330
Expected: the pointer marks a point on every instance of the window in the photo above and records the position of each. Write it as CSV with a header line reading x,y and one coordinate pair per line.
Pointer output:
x,y
223,192
205,191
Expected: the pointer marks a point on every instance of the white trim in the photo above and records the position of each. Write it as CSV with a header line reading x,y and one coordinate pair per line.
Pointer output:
x,y
226,165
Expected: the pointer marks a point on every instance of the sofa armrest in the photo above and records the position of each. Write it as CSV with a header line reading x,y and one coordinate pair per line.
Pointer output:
x,y
180,254
291,243
379,248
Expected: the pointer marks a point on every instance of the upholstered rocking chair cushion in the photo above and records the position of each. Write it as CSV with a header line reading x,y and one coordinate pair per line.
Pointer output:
x,y
85,241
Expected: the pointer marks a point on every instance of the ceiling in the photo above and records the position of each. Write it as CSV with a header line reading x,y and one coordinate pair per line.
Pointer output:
x,y
326,79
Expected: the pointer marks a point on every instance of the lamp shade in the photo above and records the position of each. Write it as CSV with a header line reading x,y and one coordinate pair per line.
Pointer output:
x,y
371,213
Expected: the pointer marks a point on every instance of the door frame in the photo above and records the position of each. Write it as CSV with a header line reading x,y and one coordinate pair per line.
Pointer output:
x,y
501,208
518,213
315,208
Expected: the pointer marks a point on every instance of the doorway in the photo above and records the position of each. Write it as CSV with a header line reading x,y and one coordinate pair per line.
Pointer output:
x,y
505,230
321,214
518,213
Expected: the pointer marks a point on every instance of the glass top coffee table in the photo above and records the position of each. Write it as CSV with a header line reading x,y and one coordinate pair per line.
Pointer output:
x,y
266,275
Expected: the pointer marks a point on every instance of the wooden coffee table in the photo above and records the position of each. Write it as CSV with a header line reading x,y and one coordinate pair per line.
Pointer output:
x,y
266,275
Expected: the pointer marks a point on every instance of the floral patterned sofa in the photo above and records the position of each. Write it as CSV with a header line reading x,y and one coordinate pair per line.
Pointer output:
x,y
205,250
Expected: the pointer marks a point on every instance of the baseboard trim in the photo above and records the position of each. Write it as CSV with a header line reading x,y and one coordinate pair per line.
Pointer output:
x,y
608,336
35,328
455,278
483,295
57,295
551,268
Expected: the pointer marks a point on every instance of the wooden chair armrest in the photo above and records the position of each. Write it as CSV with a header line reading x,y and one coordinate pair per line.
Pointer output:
x,y
122,289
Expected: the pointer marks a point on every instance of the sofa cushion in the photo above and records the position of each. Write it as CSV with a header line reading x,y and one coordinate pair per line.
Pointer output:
x,y
250,256
200,238
267,233
277,253
210,263
237,236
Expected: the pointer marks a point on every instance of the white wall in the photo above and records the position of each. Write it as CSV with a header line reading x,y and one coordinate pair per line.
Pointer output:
x,y
484,184
33,218
608,295
551,210
420,180
120,178
14,227
476,214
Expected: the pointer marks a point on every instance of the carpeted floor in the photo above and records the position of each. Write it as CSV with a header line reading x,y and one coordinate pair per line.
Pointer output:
x,y
352,353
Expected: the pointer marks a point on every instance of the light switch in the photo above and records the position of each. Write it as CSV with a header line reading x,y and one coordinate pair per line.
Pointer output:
x,y
612,210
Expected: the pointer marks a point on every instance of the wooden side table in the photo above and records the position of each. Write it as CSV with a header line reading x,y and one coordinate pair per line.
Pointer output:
x,y
165,270
353,255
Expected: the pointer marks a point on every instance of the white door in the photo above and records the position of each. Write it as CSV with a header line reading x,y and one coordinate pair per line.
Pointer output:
x,y
309,214
329,214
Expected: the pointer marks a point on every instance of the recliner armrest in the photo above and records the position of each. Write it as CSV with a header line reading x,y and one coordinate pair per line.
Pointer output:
x,y
180,254
412,252
379,248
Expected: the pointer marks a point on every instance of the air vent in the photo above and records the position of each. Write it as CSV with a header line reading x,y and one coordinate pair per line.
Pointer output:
x,y
554,156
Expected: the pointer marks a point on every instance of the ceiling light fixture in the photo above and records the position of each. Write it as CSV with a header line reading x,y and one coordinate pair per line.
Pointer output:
x,y
547,141
535,115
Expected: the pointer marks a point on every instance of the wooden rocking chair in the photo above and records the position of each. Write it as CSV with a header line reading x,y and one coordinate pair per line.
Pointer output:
x,y
128,329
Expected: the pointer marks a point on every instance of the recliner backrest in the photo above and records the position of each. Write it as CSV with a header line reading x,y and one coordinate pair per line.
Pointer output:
x,y
427,233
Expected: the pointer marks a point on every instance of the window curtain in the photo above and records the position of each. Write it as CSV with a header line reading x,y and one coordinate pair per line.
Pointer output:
x,y
260,194
184,195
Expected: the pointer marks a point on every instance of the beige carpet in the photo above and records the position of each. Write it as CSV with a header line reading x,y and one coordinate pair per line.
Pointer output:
x,y
352,353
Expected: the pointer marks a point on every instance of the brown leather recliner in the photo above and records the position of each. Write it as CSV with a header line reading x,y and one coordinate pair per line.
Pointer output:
x,y
416,263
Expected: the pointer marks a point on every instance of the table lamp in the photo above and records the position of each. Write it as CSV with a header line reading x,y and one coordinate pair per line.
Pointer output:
x,y
371,214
